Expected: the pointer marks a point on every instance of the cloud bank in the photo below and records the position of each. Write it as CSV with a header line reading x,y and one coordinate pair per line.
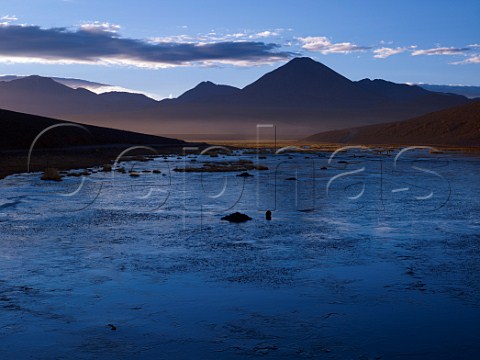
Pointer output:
x,y
99,43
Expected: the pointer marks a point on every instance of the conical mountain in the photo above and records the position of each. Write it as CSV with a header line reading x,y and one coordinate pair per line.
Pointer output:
x,y
303,81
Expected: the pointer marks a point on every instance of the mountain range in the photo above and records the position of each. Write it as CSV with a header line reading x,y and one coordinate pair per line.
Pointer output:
x,y
46,97
301,97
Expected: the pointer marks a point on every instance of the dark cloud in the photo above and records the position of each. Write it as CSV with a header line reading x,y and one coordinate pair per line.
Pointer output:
x,y
95,46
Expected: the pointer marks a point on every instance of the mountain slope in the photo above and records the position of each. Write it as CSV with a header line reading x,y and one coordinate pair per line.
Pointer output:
x,y
19,131
458,126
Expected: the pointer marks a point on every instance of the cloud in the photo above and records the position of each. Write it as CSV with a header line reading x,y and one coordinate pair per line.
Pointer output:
x,y
218,37
174,39
441,51
385,52
100,43
97,26
264,34
325,46
7,19
475,59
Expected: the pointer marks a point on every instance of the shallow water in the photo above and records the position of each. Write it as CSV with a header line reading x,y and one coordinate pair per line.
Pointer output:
x,y
365,270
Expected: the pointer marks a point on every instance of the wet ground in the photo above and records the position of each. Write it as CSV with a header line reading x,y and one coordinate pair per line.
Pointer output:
x,y
374,257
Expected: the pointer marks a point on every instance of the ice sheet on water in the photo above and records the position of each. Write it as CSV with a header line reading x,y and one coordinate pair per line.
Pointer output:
x,y
363,268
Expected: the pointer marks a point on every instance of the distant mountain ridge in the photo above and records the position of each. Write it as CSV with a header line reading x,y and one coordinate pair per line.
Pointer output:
x,y
46,97
301,97
392,91
464,90
70,82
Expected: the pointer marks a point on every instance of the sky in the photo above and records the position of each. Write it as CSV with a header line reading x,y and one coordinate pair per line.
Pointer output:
x,y
163,48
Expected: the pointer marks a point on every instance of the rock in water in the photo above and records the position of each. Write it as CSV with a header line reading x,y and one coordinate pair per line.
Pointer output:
x,y
51,174
237,217
245,174
268,215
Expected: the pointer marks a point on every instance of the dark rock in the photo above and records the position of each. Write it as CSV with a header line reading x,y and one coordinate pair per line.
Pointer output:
x,y
291,178
268,215
237,217
51,174
112,327
323,168
245,174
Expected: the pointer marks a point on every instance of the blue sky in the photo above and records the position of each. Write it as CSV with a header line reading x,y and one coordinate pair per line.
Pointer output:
x,y
166,47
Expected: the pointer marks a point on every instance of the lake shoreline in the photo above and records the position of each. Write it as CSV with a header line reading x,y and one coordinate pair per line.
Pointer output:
x,y
16,161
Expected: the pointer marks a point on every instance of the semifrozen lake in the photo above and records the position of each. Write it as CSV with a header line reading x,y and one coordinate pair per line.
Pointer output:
x,y
375,257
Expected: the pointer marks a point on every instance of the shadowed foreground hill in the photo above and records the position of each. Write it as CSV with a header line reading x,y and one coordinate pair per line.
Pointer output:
x,y
458,126
19,130
68,147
